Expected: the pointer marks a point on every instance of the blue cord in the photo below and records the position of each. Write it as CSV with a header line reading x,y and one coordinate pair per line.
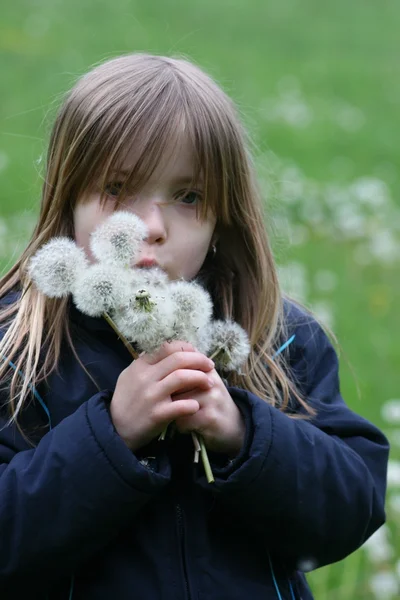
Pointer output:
x,y
281,349
71,589
35,392
274,578
284,346
293,597
291,590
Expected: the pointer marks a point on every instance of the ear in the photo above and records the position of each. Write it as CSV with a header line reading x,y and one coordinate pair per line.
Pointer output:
x,y
214,238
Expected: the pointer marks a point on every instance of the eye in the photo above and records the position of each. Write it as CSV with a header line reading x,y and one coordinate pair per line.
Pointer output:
x,y
114,188
190,198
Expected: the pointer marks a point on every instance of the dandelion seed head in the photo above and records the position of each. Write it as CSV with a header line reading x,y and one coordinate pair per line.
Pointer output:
x,y
154,277
118,239
193,310
56,265
230,344
100,288
147,329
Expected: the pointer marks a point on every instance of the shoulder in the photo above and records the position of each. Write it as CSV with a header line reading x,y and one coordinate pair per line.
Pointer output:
x,y
6,301
9,298
300,323
310,355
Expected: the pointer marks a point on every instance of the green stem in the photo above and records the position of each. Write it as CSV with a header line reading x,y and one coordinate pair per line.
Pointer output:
x,y
163,434
214,354
196,441
127,345
206,462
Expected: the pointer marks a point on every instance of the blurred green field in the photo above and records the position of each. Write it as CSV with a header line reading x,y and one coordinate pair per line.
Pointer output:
x,y
318,85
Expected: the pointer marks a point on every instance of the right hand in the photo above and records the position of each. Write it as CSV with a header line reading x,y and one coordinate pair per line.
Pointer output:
x,y
142,406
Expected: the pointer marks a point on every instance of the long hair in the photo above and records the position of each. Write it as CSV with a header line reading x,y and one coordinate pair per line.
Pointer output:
x,y
139,104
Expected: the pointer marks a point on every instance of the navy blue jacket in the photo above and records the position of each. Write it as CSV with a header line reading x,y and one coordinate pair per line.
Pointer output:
x,y
83,517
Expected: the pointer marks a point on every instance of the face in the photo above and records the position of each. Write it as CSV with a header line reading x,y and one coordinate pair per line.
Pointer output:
x,y
178,240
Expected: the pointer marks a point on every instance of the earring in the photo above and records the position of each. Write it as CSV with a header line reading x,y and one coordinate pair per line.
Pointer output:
x,y
214,250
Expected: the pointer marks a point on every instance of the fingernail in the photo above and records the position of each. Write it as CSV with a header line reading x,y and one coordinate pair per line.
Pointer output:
x,y
210,381
212,363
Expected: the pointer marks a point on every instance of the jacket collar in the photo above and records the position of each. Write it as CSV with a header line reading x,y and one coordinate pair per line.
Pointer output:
x,y
89,323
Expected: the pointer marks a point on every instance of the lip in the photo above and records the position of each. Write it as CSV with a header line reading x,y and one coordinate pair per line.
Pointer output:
x,y
147,262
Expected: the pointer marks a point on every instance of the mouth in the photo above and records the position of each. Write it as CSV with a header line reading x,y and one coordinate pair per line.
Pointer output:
x,y
147,263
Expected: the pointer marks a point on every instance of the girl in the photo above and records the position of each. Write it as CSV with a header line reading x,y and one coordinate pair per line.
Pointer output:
x,y
92,505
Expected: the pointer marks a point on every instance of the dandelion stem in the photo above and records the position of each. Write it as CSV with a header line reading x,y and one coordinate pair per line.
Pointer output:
x,y
128,346
163,434
214,354
196,441
206,462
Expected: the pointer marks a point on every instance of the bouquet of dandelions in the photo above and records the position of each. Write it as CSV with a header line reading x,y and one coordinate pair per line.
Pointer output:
x,y
142,306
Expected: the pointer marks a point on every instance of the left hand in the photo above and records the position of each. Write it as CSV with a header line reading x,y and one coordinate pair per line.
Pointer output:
x,y
218,420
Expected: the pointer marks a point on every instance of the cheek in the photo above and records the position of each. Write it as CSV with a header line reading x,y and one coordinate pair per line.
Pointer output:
x,y
87,217
194,252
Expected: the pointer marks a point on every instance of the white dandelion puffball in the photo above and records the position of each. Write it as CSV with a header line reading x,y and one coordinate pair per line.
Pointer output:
x,y
153,277
56,265
148,320
101,288
118,239
229,345
193,311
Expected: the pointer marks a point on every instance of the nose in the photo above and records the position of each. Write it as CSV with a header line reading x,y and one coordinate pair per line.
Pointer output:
x,y
151,213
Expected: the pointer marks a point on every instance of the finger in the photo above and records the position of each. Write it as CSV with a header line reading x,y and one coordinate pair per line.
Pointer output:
x,y
167,349
170,411
191,422
183,379
181,395
183,360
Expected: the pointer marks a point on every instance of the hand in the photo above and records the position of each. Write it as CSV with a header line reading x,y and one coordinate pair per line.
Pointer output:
x,y
218,419
142,404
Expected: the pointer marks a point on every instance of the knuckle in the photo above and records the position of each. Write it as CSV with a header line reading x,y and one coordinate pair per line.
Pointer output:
x,y
211,417
180,376
176,360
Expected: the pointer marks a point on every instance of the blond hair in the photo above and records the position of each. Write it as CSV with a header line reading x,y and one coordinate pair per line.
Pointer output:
x,y
138,104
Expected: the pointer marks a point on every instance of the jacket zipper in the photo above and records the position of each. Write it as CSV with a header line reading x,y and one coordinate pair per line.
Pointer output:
x,y
179,518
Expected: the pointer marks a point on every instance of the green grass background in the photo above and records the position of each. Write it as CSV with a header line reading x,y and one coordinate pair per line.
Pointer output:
x,y
337,53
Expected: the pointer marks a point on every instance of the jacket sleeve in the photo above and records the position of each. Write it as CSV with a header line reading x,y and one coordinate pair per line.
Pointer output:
x,y
67,498
314,488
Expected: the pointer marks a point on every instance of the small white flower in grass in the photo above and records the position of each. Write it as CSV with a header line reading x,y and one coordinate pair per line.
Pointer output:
x,y
378,547
193,311
391,411
56,265
100,289
230,345
393,475
118,239
384,585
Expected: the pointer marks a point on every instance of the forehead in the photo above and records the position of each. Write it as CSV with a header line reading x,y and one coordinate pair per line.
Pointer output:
x,y
177,162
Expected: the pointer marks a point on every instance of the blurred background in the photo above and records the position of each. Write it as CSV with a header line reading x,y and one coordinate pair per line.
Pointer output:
x,y
318,86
